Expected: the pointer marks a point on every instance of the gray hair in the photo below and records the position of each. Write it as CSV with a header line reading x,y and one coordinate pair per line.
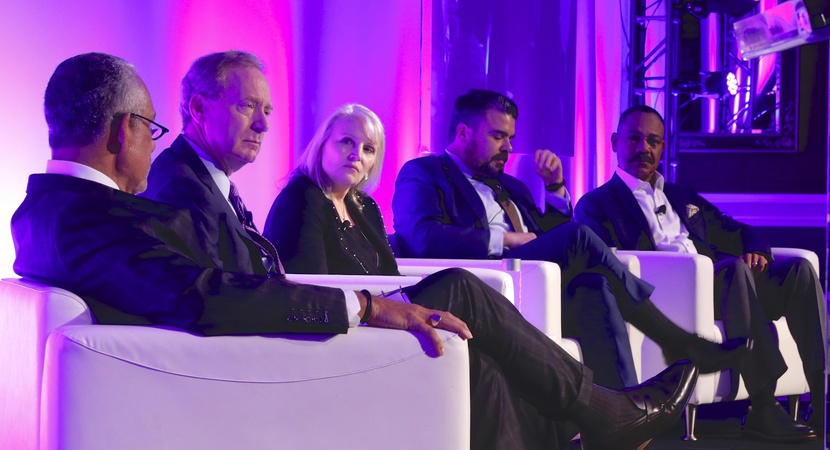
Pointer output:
x,y
311,160
84,94
208,75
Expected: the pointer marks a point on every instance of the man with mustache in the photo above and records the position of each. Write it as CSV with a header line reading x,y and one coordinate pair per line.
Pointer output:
x,y
638,210
460,204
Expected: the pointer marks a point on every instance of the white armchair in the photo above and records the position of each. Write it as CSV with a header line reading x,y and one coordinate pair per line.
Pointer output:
x,y
71,384
536,289
685,293
537,292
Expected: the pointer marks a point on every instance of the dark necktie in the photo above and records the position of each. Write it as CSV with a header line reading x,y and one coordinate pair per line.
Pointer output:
x,y
503,200
266,249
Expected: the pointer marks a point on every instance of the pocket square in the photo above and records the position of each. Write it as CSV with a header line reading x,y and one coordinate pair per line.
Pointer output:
x,y
691,210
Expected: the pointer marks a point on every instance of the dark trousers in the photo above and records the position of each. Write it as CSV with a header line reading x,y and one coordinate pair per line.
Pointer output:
x,y
524,386
597,294
748,301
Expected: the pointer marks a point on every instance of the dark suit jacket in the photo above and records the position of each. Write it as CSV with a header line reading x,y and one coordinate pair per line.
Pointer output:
x,y
178,177
613,213
303,226
438,213
135,261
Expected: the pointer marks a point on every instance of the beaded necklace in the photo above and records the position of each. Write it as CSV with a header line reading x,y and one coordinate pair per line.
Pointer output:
x,y
341,228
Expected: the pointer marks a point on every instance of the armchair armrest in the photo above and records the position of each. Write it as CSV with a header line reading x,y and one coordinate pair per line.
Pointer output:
x,y
630,261
537,286
784,252
127,387
500,281
683,283
374,283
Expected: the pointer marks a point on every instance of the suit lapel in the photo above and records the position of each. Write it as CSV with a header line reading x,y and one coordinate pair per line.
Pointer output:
x,y
689,213
183,150
456,177
186,153
189,156
632,219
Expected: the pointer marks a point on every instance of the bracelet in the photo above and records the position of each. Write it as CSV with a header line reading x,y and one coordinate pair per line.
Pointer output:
x,y
367,314
555,187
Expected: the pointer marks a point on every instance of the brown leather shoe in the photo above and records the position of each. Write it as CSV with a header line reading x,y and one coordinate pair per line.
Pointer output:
x,y
661,400
773,424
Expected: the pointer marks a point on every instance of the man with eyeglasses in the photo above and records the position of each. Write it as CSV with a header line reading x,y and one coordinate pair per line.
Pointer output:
x,y
461,204
638,210
126,162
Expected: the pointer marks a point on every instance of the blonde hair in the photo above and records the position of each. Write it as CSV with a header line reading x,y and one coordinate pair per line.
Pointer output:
x,y
311,160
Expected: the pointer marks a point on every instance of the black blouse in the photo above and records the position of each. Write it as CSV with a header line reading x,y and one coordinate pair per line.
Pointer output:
x,y
310,238
354,242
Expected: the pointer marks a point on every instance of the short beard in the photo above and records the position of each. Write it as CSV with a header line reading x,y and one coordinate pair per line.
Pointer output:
x,y
489,171
485,170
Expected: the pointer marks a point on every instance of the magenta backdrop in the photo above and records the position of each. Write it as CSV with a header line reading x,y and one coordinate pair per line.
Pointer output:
x,y
318,54
370,54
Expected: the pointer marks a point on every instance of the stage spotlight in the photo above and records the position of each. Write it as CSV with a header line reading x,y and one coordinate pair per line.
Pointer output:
x,y
718,84
731,83
710,85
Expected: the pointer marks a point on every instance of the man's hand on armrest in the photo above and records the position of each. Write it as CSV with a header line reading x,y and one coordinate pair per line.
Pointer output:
x,y
387,313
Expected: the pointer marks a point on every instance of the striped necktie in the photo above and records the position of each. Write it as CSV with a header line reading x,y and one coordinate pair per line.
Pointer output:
x,y
266,249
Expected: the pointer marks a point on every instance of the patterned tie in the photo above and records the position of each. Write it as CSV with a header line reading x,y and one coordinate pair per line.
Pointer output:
x,y
503,200
266,248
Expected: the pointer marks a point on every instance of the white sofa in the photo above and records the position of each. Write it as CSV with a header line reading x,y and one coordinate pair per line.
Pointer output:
x,y
67,383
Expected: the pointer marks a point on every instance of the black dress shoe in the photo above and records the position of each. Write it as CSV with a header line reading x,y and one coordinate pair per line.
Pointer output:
x,y
710,356
660,400
773,424
816,422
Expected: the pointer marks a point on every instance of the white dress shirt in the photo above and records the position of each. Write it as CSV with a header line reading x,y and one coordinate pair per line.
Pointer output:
x,y
667,229
497,218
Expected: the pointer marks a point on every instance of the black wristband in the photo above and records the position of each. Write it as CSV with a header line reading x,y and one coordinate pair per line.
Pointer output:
x,y
555,187
367,314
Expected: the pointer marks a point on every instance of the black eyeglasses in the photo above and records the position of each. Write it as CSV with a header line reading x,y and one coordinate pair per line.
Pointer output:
x,y
157,130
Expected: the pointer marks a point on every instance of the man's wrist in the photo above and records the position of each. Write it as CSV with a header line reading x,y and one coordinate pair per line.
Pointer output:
x,y
367,313
555,186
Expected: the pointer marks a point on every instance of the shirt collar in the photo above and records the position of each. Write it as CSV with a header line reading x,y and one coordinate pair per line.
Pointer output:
x,y
77,170
635,183
223,182
461,166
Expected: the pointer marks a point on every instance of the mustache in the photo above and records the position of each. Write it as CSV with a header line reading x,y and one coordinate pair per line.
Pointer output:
x,y
501,156
647,157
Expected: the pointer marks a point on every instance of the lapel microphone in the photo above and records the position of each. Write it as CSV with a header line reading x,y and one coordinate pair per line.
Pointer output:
x,y
345,225
660,210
